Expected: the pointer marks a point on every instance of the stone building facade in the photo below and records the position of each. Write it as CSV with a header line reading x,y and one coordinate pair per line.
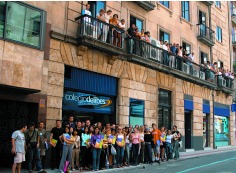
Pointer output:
x,y
38,76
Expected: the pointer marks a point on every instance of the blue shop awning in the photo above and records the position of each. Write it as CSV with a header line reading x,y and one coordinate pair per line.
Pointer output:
x,y
233,107
222,111
206,108
188,105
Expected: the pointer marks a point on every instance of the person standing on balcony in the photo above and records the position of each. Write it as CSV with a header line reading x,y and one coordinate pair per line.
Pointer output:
x,y
106,28
190,58
101,16
131,34
87,12
165,54
172,56
114,21
121,25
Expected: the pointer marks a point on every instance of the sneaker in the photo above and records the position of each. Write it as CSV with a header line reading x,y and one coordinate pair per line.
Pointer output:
x,y
156,159
73,169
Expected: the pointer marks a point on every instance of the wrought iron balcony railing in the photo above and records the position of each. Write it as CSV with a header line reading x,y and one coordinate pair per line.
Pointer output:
x,y
94,32
143,51
206,35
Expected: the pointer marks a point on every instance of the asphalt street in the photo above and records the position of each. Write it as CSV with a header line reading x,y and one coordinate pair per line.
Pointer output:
x,y
215,163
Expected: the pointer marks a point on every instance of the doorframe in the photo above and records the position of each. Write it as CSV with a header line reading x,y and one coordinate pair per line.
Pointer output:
x,y
191,119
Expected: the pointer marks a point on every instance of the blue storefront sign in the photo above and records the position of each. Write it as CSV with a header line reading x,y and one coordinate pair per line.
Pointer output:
x,y
86,102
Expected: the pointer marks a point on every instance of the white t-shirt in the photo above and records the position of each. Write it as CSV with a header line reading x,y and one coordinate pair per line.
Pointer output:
x,y
19,141
122,26
107,17
169,138
191,57
141,136
87,19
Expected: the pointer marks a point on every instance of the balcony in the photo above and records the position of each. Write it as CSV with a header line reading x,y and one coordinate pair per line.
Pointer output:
x,y
234,39
206,35
147,5
208,3
99,35
233,12
152,56
225,83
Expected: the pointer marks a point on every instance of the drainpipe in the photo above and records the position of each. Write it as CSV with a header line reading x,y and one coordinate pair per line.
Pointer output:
x,y
213,90
210,26
230,37
213,104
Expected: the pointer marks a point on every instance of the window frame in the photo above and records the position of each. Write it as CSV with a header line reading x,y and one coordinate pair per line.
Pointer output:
x,y
201,52
219,35
95,4
163,3
161,30
186,43
183,10
42,34
218,4
165,106
136,18
143,109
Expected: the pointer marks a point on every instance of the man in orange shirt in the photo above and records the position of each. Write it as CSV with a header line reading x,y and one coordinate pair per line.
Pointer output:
x,y
156,135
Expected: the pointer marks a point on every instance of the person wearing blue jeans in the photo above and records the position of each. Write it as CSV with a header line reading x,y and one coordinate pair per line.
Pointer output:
x,y
34,152
120,147
68,141
169,146
32,148
96,158
96,149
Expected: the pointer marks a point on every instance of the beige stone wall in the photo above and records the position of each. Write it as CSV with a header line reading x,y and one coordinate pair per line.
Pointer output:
x,y
20,66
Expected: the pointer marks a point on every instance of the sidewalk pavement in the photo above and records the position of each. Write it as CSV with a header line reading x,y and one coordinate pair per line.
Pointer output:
x,y
183,156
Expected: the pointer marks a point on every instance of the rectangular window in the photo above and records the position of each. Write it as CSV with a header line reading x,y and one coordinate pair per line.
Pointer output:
x,y
2,17
203,57
136,112
218,4
202,18
22,23
137,22
96,6
164,109
185,10
218,34
164,36
187,47
165,3
220,64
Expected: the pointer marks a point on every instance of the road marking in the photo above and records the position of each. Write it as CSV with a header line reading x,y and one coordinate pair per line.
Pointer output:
x,y
206,165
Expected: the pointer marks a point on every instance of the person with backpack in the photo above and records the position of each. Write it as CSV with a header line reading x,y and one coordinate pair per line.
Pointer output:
x,y
176,138
32,144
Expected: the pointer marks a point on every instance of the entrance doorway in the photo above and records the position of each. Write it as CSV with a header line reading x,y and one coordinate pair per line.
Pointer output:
x,y
13,114
188,129
205,130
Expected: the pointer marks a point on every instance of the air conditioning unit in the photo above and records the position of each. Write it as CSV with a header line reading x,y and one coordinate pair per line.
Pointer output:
x,y
202,75
155,53
185,68
195,73
223,82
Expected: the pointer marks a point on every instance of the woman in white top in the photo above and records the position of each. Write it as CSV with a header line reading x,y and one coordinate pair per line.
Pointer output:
x,y
121,25
75,151
169,138
127,146
142,150
105,28
101,16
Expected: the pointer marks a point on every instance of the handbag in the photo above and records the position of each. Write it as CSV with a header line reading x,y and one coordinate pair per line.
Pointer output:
x,y
113,150
66,166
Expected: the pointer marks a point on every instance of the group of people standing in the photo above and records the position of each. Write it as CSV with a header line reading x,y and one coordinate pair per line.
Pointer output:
x,y
95,147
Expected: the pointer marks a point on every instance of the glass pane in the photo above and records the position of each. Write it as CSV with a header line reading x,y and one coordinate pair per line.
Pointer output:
x,y
2,17
23,24
221,131
166,118
167,37
100,5
136,121
164,98
139,24
160,117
